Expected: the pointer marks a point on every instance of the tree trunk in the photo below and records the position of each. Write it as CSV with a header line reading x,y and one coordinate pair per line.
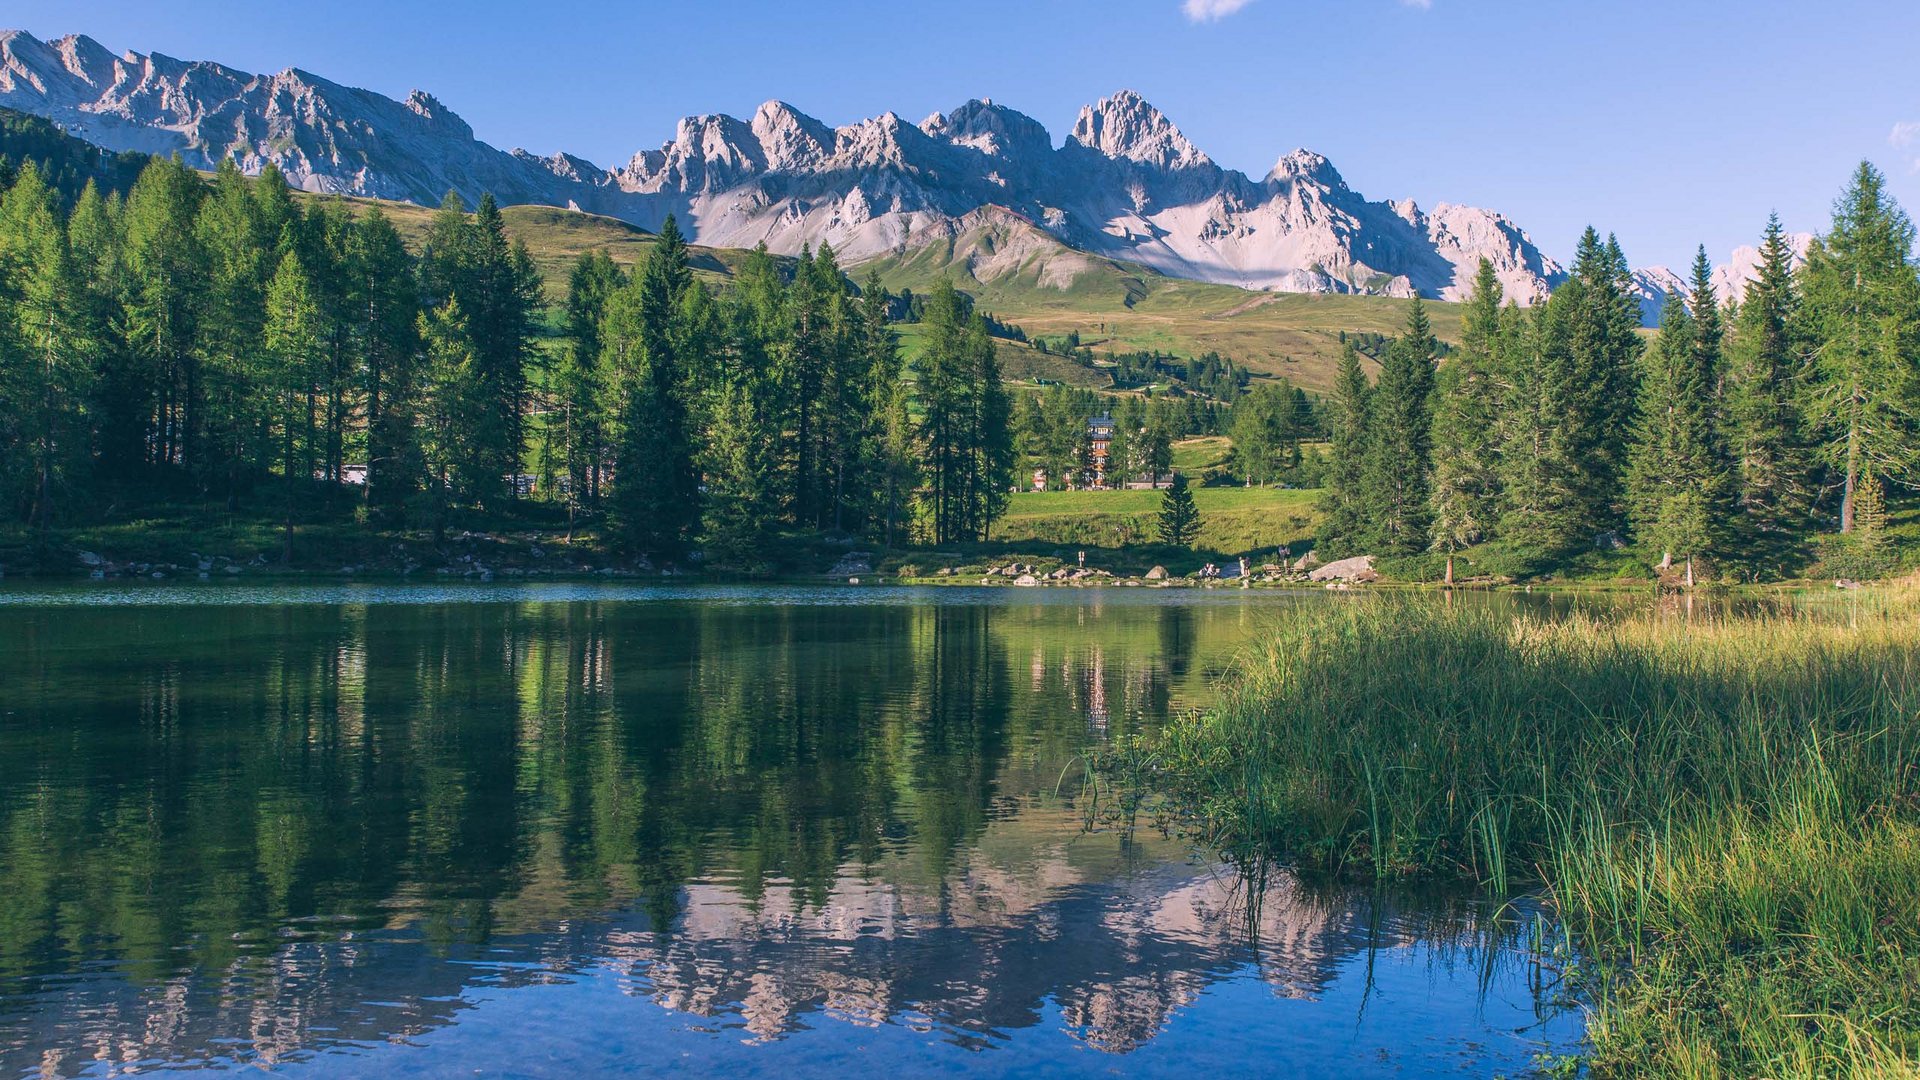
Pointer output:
x,y
1449,569
1689,571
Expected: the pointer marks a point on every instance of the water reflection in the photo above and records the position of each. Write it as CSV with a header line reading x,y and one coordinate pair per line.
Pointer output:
x,y
259,833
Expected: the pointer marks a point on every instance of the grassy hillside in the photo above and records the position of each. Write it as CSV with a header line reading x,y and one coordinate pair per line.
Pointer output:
x,y
1232,520
557,238
1024,276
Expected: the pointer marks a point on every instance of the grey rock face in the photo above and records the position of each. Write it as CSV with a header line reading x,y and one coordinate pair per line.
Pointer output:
x,y
1126,183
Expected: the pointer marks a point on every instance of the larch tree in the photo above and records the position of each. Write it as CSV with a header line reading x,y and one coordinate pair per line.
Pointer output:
x,y
1862,316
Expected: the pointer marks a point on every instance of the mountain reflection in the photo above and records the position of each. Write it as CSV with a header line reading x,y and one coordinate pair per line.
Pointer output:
x,y
251,833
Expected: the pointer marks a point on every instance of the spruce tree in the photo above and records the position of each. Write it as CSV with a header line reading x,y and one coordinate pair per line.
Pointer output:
x,y
1394,480
655,501
1678,483
1862,315
1343,529
740,460
1541,513
1179,521
1764,384
1468,416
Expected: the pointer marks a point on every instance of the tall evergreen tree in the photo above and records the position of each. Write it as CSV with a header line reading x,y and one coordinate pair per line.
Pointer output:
x,y
578,420
167,274
1863,318
47,353
291,339
234,441
894,472
740,458
383,315
1344,526
1468,413
452,408
1541,512
1394,480
1179,520
1764,386
1678,483
655,500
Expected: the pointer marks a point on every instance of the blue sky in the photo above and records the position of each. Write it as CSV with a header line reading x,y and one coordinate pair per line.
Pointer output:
x,y
1669,123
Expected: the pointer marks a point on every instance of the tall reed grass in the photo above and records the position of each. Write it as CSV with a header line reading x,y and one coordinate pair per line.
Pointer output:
x,y
1725,811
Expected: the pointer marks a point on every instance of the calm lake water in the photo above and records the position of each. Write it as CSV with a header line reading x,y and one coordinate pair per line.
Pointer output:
x,y
557,831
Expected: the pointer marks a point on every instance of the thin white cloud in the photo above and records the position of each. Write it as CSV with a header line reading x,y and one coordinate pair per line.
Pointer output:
x,y
1423,5
1906,133
1212,10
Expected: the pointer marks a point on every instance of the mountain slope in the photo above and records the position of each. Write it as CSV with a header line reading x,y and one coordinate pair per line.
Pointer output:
x,y
1125,185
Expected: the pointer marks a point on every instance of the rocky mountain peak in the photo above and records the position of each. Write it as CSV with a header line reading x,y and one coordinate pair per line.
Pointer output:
x,y
1306,165
993,130
438,116
1126,126
790,138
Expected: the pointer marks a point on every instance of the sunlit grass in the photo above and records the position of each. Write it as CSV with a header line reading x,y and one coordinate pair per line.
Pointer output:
x,y
1723,809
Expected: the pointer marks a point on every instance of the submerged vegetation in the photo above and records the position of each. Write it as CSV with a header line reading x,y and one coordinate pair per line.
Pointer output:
x,y
1725,810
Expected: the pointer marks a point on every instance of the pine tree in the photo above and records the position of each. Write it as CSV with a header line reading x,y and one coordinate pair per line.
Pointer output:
x,y
1863,318
1678,482
894,472
1394,481
1179,522
451,406
1468,414
1156,444
1541,514
578,420
740,460
1344,526
383,315
1765,432
499,290
232,441
1602,351
291,339
167,272
118,405
47,363
655,501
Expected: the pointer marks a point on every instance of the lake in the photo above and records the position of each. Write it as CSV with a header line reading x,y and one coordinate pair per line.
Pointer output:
x,y
557,830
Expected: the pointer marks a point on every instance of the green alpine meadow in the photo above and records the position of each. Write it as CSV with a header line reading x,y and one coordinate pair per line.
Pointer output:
x,y
577,573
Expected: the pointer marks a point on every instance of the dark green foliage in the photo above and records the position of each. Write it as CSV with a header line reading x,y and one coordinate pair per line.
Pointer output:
x,y
1765,433
1862,315
1679,477
1394,488
1267,429
1344,529
965,422
1179,520
655,502
65,164
1468,409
